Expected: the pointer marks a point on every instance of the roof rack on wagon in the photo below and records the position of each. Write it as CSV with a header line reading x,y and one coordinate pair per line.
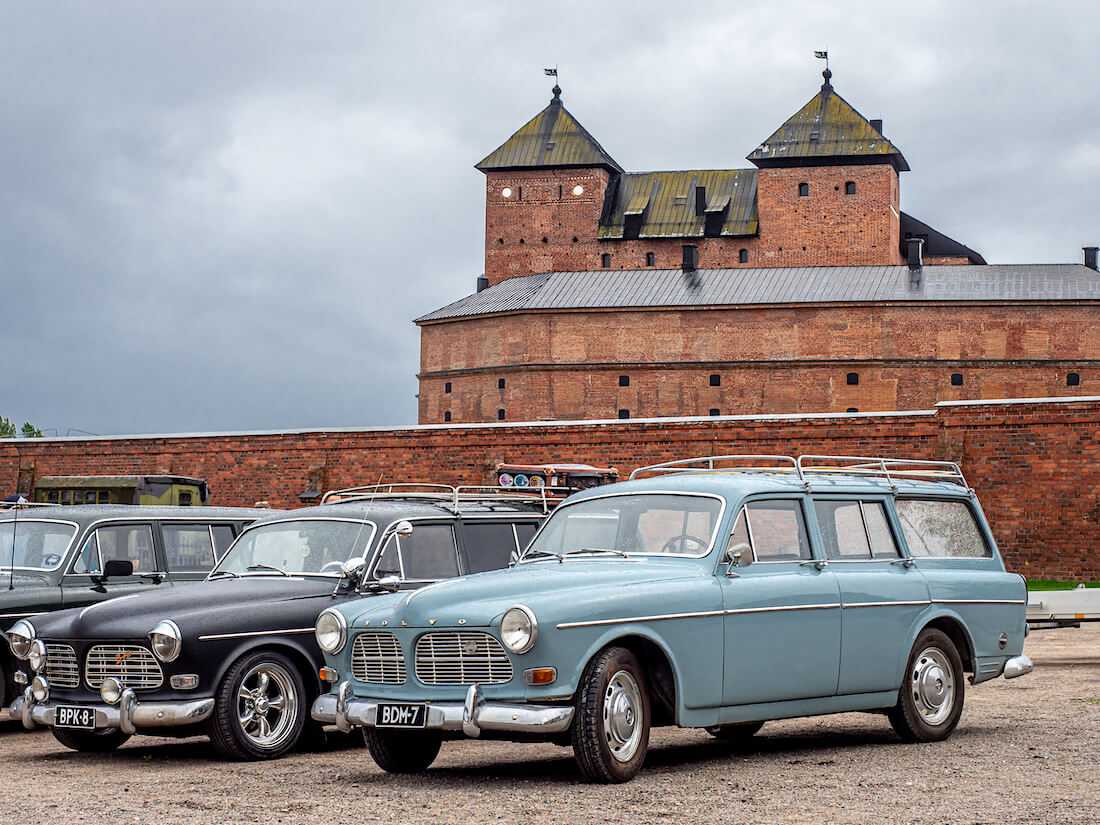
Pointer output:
x,y
806,466
449,495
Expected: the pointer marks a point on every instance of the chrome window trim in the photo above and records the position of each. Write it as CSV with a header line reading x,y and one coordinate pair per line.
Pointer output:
x,y
215,636
798,499
723,502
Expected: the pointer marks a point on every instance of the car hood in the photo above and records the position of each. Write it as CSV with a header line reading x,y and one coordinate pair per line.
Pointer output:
x,y
199,605
548,588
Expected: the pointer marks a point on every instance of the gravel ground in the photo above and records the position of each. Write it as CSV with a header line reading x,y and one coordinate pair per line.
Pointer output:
x,y
1026,750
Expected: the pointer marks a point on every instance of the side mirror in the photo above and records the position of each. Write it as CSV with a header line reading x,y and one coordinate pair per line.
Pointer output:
x,y
739,555
404,529
387,584
114,568
353,569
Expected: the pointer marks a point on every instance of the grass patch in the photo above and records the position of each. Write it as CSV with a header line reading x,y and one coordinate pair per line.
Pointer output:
x,y
1053,584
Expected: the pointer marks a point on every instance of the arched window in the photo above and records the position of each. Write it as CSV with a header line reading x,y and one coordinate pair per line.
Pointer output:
x,y
743,256
605,260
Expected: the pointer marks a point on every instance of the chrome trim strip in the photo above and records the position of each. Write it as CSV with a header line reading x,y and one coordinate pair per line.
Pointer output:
x,y
888,604
979,601
214,636
600,622
784,609
18,615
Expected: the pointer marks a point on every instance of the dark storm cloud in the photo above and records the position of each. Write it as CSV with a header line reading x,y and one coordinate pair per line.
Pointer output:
x,y
225,215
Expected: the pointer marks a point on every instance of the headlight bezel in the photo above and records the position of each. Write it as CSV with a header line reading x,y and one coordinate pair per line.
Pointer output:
x,y
166,641
340,629
519,618
25,631
37,656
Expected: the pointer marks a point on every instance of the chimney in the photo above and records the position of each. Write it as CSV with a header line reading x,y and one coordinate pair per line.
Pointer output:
x,y
1090,256
913,258
700,200
876,124
482,283
691,257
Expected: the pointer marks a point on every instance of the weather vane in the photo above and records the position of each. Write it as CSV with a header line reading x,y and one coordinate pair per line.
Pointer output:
x,y
823,56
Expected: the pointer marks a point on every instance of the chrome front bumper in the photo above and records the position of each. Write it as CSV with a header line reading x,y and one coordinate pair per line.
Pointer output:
x,y
471,717
128,715
1018,666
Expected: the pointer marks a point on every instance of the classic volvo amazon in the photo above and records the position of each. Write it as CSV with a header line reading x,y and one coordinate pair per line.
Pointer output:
x,y
714,593
234,657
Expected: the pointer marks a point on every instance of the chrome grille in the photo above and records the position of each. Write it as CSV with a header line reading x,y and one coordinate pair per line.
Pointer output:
x,y
132,665
461,658
61,668
377,658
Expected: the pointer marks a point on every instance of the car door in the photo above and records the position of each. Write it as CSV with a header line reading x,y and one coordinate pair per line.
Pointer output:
x,y
781,609
131,541
428,554
881,593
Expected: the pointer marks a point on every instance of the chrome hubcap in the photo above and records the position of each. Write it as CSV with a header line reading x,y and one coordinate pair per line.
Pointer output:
x,y
267,704
622,708
933,686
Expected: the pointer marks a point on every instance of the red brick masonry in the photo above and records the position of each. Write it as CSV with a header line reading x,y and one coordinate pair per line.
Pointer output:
x,y
1035,463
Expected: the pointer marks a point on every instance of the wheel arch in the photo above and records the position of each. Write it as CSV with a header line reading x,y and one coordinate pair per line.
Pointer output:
x,y
302,660
955,629
660,673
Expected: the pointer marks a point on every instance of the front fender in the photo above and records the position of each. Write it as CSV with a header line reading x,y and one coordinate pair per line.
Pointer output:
x,y
301,648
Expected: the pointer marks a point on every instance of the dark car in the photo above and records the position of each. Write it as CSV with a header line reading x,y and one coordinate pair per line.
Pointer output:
x,y
57,557
235,657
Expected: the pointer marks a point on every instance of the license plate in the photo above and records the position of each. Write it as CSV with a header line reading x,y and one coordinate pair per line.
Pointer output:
x,y
401,716
68,716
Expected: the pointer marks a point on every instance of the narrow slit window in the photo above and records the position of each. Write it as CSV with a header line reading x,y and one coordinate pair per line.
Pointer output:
x,y
650,258
743,256
803,190
605,260
850,188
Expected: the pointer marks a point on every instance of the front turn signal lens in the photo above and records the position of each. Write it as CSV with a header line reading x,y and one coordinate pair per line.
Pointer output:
x,y
540,675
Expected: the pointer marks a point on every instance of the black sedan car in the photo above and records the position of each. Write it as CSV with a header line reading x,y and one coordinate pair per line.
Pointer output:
x,y
57,557
235,657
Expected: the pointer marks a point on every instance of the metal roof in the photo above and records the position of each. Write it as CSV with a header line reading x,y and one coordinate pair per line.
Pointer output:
x,y
666,205
826,128
622,289
553,137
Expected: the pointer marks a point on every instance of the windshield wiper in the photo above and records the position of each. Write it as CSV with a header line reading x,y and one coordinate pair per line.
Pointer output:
x,y
596,550
224,573
278,570
531,553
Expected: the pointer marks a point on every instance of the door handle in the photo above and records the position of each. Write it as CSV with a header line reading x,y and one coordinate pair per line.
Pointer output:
x,y
908,561
819,564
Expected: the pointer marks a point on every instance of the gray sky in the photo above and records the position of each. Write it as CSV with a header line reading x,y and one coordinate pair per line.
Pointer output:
x,y
225,215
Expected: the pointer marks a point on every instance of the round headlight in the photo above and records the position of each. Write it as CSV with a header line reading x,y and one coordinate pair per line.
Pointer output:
x,y
331,630
166,641
518,629
111,690
37,657
20,636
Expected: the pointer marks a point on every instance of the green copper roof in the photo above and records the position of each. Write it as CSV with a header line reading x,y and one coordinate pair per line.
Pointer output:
x,y
553,137
827,130
692,204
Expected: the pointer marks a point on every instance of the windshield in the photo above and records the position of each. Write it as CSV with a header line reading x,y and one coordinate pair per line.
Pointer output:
x,y
301,546
39,545
643,524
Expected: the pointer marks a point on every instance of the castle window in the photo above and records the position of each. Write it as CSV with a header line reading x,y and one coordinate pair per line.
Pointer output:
x,y
803,190
853,378
500,415
447,416
624,413
716,380
852,409
447,387
519,193
1073,380
500,383
650,259
850,188
506,192
715,411
624,380
521,240
545,239
956,379
743,256
605,259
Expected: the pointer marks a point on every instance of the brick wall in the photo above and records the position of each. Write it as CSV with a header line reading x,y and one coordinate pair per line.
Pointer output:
x,y
1035,464
567,365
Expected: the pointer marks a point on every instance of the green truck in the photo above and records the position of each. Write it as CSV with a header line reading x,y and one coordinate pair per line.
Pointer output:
x,y
137,489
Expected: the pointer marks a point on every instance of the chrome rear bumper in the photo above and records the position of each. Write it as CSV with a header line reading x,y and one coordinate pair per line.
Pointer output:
x,y
1018,666
471,717
128,715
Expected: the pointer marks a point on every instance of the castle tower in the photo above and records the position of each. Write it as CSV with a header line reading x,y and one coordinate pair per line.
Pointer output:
x,y
828,188
545,189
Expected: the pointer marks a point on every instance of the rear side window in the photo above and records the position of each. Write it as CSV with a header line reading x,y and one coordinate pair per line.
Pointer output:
x,y
188,547
777,530
941,528
490,545
855,530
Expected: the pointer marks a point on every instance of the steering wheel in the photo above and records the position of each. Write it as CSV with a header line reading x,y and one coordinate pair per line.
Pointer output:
x,y
338,566
670,545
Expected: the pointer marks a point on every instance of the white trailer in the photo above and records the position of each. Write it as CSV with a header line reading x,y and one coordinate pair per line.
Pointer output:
x,y
1063,608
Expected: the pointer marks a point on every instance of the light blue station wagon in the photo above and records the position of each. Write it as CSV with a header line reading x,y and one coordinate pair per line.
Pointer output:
x,y
713,593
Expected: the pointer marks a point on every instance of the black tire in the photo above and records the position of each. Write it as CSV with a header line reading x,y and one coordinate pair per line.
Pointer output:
x,y
740,732
611,724
104,740
256,686
402,751
930,700
3,685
